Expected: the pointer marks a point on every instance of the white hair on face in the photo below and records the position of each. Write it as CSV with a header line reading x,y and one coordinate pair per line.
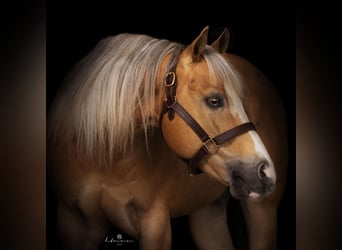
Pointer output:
x,y
105,93
221,71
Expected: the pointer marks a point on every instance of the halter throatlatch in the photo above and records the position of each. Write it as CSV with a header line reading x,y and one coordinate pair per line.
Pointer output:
x,y
210,145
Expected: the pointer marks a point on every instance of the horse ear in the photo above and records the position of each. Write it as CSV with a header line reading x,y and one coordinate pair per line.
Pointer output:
x,y
222,42
198,45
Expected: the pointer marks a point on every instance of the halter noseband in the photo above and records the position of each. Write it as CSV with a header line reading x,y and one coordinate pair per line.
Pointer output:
x,y
210,144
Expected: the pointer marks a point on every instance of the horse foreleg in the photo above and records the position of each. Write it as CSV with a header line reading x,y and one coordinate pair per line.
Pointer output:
x,y
76,232
208,225
261,219
155,229
70,229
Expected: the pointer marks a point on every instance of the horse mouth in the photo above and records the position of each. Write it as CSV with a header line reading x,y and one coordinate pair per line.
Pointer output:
x,y
242,189
239,188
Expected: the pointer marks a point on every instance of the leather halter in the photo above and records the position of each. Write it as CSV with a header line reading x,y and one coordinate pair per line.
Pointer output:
x,y
210,144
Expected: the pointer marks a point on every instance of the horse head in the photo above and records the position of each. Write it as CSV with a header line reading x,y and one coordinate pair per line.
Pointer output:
x,y
205,123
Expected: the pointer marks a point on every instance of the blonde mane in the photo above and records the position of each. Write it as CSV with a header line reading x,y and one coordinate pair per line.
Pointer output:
x,y
115,83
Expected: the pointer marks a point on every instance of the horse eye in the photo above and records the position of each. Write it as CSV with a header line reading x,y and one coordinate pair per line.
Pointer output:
x,y
214,102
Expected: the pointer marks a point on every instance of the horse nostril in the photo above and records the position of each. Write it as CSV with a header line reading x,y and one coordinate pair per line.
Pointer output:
x,y
261,170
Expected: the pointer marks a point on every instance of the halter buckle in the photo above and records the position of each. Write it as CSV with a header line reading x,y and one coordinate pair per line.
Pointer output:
x,y
210,145
173,80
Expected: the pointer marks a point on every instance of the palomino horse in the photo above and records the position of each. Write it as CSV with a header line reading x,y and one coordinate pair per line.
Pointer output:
x,y
145,130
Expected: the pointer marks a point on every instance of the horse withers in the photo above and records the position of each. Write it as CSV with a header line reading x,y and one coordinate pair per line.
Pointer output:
x,y
145,130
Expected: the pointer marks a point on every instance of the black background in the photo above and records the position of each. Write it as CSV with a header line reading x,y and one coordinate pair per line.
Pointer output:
x,y
262,33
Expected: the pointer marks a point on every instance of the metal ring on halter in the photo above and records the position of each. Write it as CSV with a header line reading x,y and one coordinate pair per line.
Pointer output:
x,y
173,74
210,145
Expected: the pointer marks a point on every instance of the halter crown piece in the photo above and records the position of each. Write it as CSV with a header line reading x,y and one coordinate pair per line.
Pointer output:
x,y
210,145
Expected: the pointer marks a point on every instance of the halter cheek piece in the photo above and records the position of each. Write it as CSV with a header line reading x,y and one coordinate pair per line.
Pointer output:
x,y
210,144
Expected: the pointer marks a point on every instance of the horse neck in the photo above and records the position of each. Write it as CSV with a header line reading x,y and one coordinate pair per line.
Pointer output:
x,y
155,142
153,146
159,98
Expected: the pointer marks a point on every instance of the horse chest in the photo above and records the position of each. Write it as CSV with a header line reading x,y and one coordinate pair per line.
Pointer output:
x,y
124,205
185,195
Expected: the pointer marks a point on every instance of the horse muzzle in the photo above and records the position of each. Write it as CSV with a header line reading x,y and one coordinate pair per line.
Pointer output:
x,y
251,180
